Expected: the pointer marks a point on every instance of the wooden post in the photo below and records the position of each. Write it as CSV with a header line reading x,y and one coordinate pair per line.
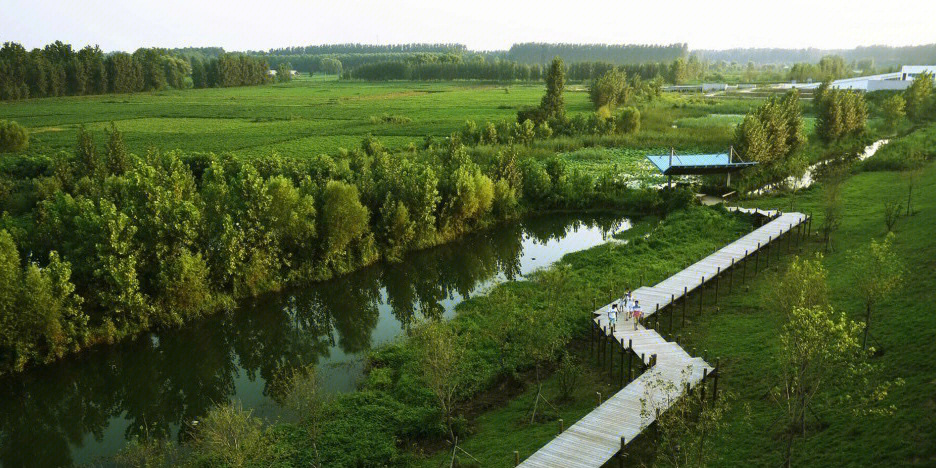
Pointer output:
x,y
744,268
604,344
716,284
611,358
656,315
561,426
702,390
731,276
516,458
591,339
715,382
756,258
622,363
767,262
621,453
599,399
630,360
671,301
685,303
643,361
701,294
789,237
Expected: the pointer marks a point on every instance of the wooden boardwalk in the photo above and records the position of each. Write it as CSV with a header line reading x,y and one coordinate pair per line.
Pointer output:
x,y
599,435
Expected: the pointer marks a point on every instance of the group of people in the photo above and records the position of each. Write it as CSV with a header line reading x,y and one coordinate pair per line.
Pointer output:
x,y
625,305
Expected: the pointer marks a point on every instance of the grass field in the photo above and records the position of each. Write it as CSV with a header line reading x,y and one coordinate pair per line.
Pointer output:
x,y
307,116
315,115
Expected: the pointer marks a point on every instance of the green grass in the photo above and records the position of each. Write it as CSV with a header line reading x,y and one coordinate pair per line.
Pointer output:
x,y
300,118
743,334
311,116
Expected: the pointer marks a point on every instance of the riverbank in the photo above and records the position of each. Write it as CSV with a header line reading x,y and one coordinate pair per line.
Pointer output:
x,y
395,417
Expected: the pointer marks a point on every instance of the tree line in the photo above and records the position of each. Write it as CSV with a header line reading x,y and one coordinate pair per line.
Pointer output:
x,y
618,54
103,244
58,70
341,49
309,63
880,56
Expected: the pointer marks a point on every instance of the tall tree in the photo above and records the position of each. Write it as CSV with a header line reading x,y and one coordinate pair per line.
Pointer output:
x,y
553,103
878,272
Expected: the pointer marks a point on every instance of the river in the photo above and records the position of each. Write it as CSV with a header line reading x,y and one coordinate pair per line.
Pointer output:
x,y
86,407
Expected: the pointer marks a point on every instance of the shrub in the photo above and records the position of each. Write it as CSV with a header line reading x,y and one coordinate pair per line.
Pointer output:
x,y
13,137
629,120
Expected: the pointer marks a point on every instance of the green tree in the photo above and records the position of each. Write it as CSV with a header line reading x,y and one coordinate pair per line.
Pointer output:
x,y
802,285
877,272
116,157
819,350
13,137
918,96
893,109
553,103
283,73
609,90
443,366
628,120
343,218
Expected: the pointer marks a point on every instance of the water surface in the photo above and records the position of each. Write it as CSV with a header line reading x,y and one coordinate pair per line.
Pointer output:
x,y
87,407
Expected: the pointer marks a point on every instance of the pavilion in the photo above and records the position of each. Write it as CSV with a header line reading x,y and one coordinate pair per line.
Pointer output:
x,y
699,164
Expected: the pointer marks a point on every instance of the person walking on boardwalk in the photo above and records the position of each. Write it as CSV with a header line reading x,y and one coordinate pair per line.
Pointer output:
x,y
612,316
637,313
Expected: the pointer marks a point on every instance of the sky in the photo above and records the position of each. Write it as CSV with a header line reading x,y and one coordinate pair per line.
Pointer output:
x,y
479,24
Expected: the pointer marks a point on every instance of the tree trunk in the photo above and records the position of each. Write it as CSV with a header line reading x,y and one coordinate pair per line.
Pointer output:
x,y
864,342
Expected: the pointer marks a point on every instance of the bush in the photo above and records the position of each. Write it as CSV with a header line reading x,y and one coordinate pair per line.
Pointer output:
x,y
629,120
13,137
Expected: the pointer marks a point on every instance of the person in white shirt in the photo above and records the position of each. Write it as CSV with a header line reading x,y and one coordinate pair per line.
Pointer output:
x,y
612,316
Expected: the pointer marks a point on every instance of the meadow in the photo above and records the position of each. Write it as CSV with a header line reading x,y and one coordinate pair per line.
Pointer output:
x,y
321,114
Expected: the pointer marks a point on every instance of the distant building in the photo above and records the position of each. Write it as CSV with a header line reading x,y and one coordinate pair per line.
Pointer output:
x,y
272,72
909,72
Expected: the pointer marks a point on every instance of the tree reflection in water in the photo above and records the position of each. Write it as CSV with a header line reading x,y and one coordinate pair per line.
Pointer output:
x,y
88,406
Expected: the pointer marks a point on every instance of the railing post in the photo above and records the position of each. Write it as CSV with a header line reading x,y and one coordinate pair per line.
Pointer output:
x,y
702,391
744,268
630,360
621,453
756,258
599,399
671,302
731,276
611,358
701,294
622,363
516,458
685,303
715,382
767,262
717,275
561,426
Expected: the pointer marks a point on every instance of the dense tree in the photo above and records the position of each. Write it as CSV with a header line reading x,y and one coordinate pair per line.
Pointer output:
x,y
772,135
553,103
877,275
331,66
893,110
609,90
283,73
841,114
918,96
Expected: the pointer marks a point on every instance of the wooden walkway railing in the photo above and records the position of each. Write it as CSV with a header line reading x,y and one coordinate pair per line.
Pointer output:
x,y
604,432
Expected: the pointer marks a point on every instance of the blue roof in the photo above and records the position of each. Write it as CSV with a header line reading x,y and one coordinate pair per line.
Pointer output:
x,y
696,163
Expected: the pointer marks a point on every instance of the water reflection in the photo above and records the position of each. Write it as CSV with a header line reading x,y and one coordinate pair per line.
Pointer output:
x,y
87,407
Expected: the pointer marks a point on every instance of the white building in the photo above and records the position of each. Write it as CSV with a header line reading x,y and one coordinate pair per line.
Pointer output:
x,y
909,72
